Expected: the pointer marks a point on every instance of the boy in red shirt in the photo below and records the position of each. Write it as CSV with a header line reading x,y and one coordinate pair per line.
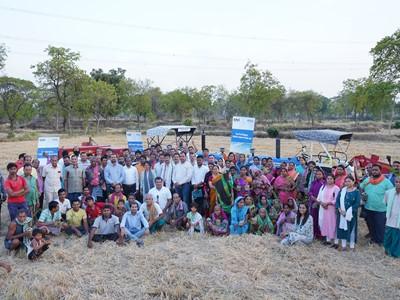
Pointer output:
x,y
93,210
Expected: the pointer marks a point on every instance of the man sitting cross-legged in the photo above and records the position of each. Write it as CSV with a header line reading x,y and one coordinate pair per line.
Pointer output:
x,y
19,232
77,220
134,225
105,228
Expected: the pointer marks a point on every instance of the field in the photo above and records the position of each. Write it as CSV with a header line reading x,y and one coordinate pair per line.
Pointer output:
x,y
175,266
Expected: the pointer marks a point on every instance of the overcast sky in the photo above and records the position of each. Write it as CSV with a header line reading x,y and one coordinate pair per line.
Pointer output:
x,y
309,44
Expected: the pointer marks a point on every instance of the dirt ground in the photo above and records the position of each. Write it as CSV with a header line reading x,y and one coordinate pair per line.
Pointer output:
x,y
175,266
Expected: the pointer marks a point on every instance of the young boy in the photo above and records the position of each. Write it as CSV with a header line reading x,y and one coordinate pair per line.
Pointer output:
x,y
38,244
93,210
194,220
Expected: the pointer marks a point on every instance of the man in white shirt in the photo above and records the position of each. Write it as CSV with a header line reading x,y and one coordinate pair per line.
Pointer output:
x,y
161,195
199,173
83,161
130,184
51,181
27,160
166,171
159,164
182,176
156,221
63,203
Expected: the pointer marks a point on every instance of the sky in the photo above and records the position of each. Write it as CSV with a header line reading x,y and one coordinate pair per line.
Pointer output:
x,y
308,44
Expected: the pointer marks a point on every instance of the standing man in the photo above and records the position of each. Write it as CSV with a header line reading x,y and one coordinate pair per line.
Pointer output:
x,y
199,173
166,171
161,194
159,164
375,187
83,162
74,179
51,181
182,176
16,189
130,184
113,174
395,173
94,176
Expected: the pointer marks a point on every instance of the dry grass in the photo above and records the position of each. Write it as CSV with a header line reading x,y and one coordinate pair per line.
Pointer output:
x,y
175,266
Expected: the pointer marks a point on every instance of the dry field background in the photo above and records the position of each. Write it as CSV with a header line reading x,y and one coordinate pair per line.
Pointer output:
x,y
175,266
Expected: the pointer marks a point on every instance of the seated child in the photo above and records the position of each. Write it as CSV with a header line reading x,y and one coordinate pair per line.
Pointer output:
x,y
285,221
38,245
194,220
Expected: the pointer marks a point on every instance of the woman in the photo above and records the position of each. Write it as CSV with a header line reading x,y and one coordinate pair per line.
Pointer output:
x,y
292,172
301,168
347,203
218,224
263,223
147,178
303,230
231,157
268,173
242,183
284,186
327,209
221,165
212,189
313,204
340,176
285,221
260,185
239,223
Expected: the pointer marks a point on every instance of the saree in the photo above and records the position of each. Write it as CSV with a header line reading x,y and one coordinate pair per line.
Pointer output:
x,y
282,186
223,188
218,224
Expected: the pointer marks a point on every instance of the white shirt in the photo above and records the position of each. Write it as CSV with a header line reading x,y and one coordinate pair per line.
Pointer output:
x,y
84,165
166,174
158,168
53,178
64,206
182,173
161,196
21,172
131,176
145,212
199,174
394,214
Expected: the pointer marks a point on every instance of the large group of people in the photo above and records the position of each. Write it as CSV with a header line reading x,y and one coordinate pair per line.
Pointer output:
x,y
122,198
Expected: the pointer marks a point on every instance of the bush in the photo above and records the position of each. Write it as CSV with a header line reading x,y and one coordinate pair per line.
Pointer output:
x,y
396,125
188,122
272,132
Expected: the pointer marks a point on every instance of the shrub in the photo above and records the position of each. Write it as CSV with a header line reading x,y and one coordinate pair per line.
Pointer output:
x,y
188,122
396,125
272,132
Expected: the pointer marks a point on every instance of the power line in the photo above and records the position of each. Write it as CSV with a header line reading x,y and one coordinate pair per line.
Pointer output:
x,y
33,40
177,31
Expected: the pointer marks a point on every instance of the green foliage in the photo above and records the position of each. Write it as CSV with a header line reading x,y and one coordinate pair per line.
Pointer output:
x,y
3,56
178,102
272,132
188,122
17,100
396,125
306,103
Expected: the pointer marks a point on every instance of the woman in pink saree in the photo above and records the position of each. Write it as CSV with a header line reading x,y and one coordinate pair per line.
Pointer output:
x,y
285,186
260,185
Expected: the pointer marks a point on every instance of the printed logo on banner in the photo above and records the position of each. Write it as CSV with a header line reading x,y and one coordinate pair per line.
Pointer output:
x,y
47,147
242,134
134,141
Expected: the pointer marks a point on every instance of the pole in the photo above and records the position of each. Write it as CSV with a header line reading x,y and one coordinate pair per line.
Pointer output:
x,y
278,148
203,140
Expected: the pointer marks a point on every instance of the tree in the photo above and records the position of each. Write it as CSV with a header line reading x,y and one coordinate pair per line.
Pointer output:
x,y
17,98
3,56
178,102
60,75
98,100
386,66
308,102
203,102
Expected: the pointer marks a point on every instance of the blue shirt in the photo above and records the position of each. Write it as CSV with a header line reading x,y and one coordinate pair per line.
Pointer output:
x,y
130,221
114,173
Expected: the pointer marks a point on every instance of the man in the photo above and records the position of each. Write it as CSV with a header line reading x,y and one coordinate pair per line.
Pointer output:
x,y
20,161
93,210
199,174
51,181
83,161
392,231
50,221
16,188
113,173
31,198
375,207
166,171
140,166
130,184
395,172
19,232
206,153
2,191
77,220
74,179
121,161
134,225
182,176
105,228
161,194
176,212
94,177
27,160
159,164
138,154
153,214
63,203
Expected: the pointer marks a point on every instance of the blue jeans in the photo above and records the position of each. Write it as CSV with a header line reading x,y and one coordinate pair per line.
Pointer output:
x,y
184,192
134,233
74,196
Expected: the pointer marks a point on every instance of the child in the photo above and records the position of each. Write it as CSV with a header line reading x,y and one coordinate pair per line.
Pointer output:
x,y
120,209
38,245
285,221
194,220
93,210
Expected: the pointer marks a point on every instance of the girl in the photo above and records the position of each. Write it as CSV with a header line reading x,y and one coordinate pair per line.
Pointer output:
x,y
285,221
303,230
194,220
327,211
239,214
347,203
218,223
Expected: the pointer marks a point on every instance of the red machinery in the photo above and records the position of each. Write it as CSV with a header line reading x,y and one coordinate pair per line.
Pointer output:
x,y
360,162
91,147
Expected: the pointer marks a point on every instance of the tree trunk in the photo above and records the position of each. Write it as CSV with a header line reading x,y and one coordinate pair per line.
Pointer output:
x,y
57,119
64,123
12,124
69,124
97,125
391,117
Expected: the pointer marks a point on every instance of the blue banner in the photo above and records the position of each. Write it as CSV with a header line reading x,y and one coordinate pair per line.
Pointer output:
x,y
242,134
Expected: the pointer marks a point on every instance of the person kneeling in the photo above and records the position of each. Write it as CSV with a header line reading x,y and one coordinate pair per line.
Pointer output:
x,y
38,245
194,220
77,220
134,225
105,228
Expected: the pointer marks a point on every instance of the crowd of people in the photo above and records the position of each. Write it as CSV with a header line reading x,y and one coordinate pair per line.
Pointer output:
x,y
125,197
